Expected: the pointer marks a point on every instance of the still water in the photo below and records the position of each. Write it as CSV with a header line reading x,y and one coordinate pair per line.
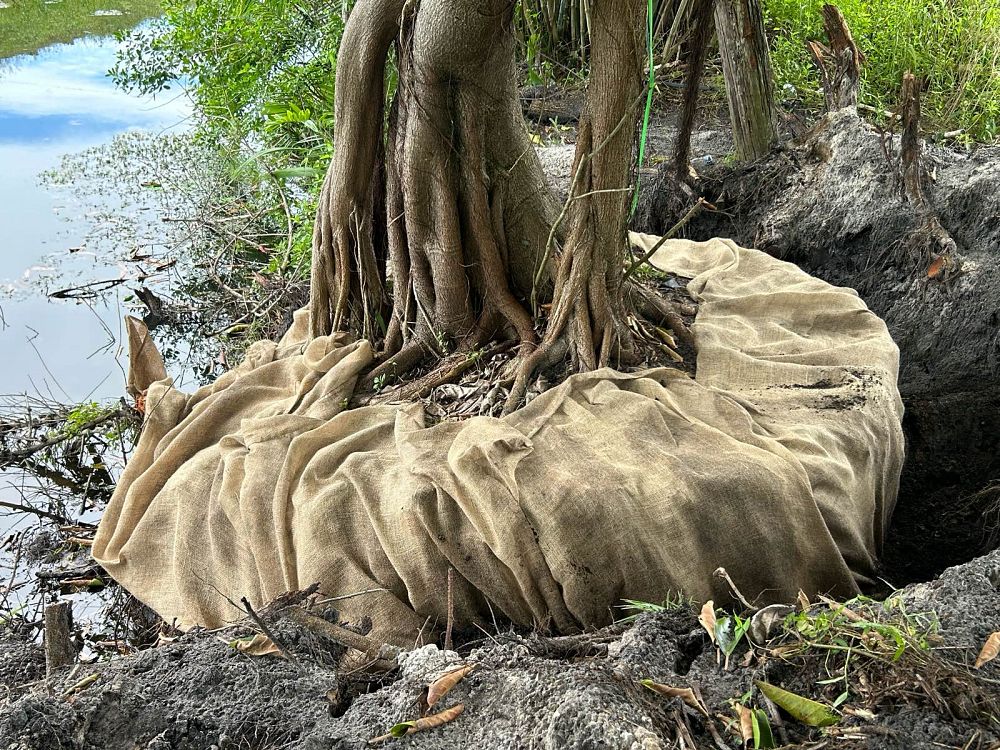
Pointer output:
x,y
53,103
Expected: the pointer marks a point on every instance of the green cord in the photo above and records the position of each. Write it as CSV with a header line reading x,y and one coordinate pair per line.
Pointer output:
x,y
649,104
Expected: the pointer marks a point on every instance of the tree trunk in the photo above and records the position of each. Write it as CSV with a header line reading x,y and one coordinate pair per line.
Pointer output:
x,y
455,206
454,215
746,65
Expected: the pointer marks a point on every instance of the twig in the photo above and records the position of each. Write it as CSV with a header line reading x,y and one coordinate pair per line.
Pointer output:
x,y
702,203
724,575
451,610
267,631
55,517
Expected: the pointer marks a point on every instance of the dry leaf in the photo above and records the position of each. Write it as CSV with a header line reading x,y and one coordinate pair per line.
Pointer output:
x,y
990,650
936,267
803,600
746,723
443,684
428,722
686,694
707,618
259,645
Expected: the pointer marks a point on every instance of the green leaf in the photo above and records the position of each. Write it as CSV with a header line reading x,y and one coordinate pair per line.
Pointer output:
x,y
801,709
763,739
401,728
729,631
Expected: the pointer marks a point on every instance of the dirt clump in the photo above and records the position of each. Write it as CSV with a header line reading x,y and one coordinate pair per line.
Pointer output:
x,y
531,691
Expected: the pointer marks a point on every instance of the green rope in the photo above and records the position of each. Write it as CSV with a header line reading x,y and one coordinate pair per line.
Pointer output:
x,y
649,103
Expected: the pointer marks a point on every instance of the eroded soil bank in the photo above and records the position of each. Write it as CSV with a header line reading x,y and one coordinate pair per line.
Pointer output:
x,y
833,202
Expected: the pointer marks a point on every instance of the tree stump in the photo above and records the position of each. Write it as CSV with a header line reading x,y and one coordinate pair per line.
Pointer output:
x,y
840,63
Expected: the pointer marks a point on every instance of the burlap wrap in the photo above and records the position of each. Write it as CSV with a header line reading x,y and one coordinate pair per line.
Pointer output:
x,y
780,462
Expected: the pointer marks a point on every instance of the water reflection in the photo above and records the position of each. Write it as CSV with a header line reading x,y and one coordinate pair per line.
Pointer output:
x,y
56,102
62,93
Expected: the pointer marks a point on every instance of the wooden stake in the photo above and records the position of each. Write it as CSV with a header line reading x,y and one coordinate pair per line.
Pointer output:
x,y
451,609
59,650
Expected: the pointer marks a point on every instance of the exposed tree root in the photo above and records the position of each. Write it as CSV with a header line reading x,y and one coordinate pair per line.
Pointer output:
x,y
447,239
934,244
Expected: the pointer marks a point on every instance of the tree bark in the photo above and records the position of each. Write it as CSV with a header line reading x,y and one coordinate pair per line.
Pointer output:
x,y
587,319
746,65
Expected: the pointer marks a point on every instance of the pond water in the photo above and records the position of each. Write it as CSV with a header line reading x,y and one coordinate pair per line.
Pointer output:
x,y
56,102
62,227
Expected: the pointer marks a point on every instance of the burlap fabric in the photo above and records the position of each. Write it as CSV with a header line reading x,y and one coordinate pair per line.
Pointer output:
x,y
779,461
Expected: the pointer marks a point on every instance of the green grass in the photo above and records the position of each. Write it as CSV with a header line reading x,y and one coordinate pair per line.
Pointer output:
x,y
953,44
27,26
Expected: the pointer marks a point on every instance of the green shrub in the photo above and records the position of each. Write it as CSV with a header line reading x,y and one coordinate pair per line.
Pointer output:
x,y
953,44
253,68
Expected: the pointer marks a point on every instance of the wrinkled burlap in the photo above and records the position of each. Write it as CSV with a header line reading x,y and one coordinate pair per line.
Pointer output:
x,y
780,462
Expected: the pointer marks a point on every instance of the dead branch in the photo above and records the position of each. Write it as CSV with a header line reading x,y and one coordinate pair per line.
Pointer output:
x,y
343,636
930,234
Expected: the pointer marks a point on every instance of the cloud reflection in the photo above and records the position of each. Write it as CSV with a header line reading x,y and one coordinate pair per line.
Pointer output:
x,y
63,92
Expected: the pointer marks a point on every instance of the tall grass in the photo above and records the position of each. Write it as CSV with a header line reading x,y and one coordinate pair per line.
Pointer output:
x,y
953,44
28,25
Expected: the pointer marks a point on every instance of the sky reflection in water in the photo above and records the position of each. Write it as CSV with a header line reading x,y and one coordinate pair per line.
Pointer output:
x,y
56,102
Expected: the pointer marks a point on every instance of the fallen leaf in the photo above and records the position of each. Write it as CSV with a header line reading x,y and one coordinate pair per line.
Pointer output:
x,y
428,722
801,709
82,684
990,650
936,267
707,618
686,694
746,723
259,645
765,621
443,684
804,603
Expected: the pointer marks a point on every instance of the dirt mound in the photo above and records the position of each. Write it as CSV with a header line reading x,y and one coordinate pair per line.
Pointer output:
x,y
529,691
